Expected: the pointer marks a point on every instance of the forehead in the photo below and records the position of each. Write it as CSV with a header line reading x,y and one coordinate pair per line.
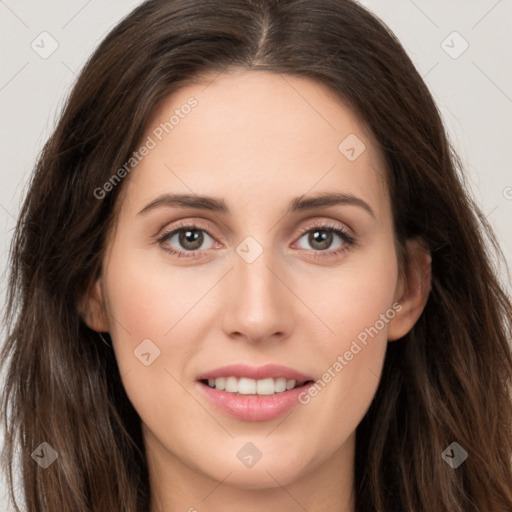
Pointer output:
x,y
259,136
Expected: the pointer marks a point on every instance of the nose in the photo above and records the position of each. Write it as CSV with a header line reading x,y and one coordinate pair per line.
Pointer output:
x,y
258,304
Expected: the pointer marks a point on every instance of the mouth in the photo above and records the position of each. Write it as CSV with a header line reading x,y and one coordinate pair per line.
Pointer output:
x,y
253,393
252,387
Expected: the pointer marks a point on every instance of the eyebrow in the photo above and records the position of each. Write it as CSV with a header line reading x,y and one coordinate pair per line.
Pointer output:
x,y
297,204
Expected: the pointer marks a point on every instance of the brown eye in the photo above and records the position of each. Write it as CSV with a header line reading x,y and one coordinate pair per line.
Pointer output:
x,y
186,239
190,239
322,238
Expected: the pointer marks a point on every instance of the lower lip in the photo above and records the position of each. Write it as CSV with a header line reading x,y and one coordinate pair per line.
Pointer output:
x,y
253,408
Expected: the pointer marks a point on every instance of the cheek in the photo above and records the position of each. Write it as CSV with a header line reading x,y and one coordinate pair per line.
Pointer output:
x,y
352,297
356,306
150,307
150,297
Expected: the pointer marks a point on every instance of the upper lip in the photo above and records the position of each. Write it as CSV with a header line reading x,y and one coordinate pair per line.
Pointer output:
x,y
266,371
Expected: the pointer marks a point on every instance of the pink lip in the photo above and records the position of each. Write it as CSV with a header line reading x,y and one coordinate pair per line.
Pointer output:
x,y
266,371
252,407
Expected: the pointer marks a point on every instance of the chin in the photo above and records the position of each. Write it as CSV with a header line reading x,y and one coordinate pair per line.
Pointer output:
x,y
274,471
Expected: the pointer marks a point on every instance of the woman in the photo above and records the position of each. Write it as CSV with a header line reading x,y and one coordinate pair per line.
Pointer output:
x,y
246,276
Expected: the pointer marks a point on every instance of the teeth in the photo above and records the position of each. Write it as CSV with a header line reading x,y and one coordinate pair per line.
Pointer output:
x,y
265,386
231,384
245,386
290,384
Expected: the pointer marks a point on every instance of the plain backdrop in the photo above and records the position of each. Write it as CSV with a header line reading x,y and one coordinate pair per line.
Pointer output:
x,y
462,48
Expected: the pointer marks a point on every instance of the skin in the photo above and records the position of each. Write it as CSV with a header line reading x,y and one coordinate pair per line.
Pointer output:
x,y
286,307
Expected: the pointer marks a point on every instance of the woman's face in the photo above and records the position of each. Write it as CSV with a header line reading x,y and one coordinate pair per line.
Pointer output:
x,y
263,275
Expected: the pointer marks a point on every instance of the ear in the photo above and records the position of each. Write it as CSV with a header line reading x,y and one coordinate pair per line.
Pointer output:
x,y
413,289
93,309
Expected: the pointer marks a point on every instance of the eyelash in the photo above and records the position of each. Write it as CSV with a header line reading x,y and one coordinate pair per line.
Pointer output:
x,y
348,239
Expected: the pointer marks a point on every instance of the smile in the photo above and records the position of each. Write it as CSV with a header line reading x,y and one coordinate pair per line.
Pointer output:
x,y
246,386
250,393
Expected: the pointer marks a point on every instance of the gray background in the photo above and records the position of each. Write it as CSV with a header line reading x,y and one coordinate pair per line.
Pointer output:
x,y
473,90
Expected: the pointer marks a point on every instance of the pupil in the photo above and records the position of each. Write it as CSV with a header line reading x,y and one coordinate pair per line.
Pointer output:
x,y
323,241
191,239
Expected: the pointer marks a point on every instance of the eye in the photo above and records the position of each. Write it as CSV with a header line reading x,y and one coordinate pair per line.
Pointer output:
x,y
327,239
188,240
184,239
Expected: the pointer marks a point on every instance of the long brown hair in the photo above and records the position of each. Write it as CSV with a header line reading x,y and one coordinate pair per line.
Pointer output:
x,y
448,380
